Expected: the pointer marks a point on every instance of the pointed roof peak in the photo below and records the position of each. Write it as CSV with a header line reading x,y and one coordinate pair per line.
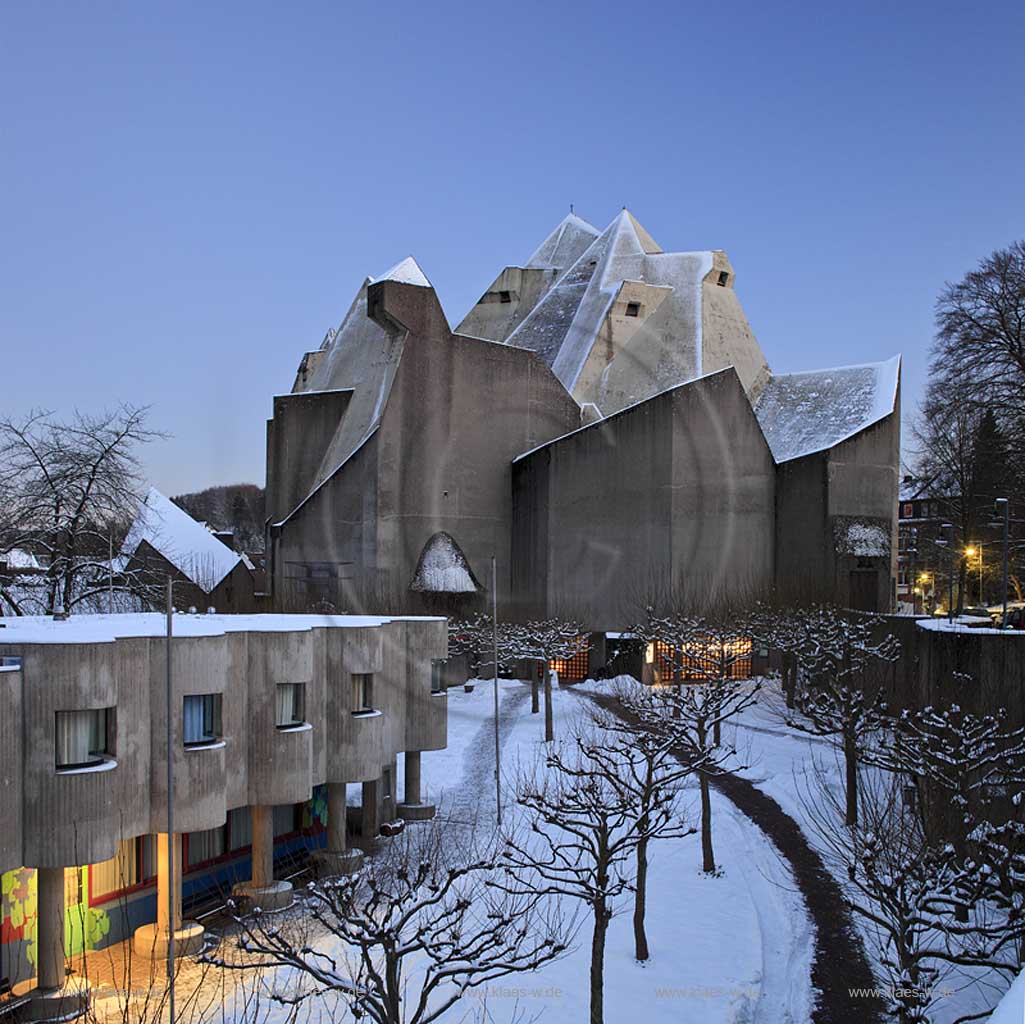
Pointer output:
x,y
563,244
406,271
626,218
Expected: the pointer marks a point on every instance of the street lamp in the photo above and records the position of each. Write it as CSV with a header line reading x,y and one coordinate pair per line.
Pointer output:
x,y
1002,514
947,541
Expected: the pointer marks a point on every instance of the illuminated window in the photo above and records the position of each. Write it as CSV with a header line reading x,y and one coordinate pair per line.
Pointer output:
x,y
135,863
572,668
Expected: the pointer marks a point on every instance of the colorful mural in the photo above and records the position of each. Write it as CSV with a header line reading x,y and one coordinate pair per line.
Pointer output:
x,y
84,926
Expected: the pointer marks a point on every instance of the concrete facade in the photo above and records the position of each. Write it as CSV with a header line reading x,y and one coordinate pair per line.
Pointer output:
x,y
59,816
603,422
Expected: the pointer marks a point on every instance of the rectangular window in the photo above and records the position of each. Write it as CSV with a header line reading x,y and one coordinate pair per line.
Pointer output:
x,y
386,784
201,719
724,278
290,710
505,297
362,692
240,828
633,309
437,675
84,738
909,510
118,873
288,818
72,887
205,845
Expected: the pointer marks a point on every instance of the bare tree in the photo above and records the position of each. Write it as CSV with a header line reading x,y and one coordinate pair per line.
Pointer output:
x,y
929,910
645,767
66,489
584,829
405,939
543,641
688,715
476,637
834,695
978,356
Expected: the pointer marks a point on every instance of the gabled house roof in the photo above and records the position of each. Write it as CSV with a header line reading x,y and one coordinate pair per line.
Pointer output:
x,y
188,545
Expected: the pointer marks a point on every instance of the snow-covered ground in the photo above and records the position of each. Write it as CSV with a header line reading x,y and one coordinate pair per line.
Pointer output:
x,y
734,949
787,764
725,950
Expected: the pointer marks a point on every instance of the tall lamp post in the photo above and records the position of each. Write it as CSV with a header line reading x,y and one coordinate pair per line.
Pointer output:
x,y
1002,510
971,552
947,541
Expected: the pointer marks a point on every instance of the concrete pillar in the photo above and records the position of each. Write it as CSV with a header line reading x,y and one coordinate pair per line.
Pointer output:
x,y
336,858
50,928
152,940
371,813
411,793
337,815
55,997
412,808
168,874
262,819
262,891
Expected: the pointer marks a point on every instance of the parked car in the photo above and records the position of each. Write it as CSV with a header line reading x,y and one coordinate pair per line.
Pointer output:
x,y
978,613
1016,618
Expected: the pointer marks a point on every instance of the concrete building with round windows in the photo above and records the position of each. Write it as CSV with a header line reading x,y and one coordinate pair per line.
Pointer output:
x,y
274,721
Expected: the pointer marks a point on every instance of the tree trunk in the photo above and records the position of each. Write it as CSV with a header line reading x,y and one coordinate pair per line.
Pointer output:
x,y
789,679
707,854
535,689
601,927
549,717
640,899
850,756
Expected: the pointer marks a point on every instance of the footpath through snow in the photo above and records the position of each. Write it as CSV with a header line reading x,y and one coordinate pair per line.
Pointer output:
x,y
736,949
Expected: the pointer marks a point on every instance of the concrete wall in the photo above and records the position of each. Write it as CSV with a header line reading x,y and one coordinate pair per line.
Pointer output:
x,y
726,336
297,438
671,497
10,760
494,319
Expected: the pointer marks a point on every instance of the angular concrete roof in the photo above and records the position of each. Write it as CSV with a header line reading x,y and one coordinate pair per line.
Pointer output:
x,y
560,250
804,413
563,328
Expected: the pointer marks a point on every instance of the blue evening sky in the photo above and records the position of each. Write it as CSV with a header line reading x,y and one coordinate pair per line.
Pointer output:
x,y
192,193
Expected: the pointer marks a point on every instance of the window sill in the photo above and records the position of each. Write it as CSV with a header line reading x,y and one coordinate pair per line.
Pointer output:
x,y
367,713
106,765
205,745
294,727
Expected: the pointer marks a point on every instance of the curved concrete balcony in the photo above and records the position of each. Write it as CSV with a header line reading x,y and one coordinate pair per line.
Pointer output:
x,y
357,755
281,765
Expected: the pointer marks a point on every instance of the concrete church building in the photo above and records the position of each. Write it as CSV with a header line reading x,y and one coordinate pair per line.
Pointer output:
x,y
603,421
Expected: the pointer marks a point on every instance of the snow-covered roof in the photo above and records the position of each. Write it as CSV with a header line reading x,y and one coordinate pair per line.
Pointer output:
x,y
560,250
189,546
17,558
406,271
803,413
443,568
81,629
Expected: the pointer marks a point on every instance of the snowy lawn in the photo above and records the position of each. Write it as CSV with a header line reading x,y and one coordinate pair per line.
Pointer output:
x,y
736,948
786,764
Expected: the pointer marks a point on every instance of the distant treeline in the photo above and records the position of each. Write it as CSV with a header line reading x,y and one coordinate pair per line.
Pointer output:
x,y
238,507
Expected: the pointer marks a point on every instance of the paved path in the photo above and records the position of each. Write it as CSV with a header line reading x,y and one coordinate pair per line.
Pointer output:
x,y
839,964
